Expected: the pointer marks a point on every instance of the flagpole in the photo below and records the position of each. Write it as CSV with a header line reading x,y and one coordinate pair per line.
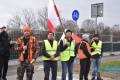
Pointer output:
x,y
63,28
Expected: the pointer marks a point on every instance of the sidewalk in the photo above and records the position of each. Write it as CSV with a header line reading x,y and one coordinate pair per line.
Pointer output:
x,y
39,75
39,59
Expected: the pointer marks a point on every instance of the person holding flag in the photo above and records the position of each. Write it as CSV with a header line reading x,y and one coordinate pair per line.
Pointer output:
x,y
68,53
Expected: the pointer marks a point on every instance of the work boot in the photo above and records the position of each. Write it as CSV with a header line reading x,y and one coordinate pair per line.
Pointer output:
x,y
93,78
99,78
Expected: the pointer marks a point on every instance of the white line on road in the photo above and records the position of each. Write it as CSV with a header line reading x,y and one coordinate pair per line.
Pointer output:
x,y
58,77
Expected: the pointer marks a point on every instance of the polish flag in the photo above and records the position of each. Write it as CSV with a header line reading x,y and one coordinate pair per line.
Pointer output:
x,y
53,15
74,36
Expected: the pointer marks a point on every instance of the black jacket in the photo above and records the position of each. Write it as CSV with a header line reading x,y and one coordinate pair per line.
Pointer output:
x,y
44,52
84,49
5,44
64,47
97,55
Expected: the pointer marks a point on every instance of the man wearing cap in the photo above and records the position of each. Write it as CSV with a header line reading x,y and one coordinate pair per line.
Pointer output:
x,y
5,45
50,51
28,48
96,53
84,55
68,52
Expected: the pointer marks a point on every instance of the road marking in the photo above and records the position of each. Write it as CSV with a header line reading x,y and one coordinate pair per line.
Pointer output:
x,y
58,77
39,67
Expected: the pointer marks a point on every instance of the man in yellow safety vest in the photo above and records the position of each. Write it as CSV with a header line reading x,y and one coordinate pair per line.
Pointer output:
x,y
50,51
96,53
68,52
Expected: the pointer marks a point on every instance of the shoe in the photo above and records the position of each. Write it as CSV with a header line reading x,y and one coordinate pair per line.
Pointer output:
x,y
93,78
99,78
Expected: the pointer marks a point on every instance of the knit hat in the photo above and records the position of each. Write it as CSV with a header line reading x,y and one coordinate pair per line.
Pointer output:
x,y
27,28
85,37
96,35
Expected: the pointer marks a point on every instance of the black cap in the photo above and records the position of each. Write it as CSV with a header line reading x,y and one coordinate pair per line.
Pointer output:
x,y
69,31
96,35
3,27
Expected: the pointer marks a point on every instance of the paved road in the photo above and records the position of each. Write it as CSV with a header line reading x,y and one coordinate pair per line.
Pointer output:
x,y
12,69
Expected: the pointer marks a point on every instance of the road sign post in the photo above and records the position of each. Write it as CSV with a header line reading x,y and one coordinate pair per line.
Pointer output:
x,y
96,11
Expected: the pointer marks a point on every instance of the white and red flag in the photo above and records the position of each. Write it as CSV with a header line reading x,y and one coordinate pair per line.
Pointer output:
x,y
53,20
53,16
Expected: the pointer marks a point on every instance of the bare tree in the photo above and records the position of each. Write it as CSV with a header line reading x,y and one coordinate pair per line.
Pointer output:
x,y
70,24
42,17
100,27
115,29
82,30
107,30
88,25
23,18
15,21
29,19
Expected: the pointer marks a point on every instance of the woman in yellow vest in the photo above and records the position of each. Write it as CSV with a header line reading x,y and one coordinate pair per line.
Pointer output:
x,y
50,51
68,53
96,53
84,57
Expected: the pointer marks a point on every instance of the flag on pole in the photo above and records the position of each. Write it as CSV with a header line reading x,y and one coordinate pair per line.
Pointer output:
x,y
53,14
74,36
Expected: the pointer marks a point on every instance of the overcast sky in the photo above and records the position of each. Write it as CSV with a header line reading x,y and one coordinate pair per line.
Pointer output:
x,y
111,9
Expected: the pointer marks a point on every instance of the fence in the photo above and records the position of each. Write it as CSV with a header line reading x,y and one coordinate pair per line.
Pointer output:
x,y
110,43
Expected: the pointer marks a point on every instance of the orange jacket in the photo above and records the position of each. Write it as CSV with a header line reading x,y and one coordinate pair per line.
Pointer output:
x,y
81,54
33,48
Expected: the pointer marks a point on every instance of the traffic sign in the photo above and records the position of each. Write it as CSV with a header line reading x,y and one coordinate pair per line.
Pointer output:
x,y
75,15
97,10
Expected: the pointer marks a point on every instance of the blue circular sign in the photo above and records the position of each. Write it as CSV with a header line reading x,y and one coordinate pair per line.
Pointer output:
x,y
75,15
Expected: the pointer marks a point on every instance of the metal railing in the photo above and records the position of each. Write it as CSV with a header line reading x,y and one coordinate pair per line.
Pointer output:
x,y
110,43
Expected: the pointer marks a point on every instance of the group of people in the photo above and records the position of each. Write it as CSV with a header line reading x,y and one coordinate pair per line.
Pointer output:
x,y
29,49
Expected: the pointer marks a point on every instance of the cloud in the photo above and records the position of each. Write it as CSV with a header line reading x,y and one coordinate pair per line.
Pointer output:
x,y
66,7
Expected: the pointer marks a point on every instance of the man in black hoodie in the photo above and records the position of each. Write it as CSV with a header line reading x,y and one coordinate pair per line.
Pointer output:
x,y
84,55
5,45
68,52
96,53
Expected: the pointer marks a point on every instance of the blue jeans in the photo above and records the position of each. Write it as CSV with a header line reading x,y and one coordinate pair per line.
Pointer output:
x,y
32,72
96,66
69,66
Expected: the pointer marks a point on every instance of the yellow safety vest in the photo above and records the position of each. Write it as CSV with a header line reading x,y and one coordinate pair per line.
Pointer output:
x,y
50,50
97,48
67,53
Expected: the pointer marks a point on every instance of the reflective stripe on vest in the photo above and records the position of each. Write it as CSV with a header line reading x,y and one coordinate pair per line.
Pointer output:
x,y
81,54
97,48
50,50
67,53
